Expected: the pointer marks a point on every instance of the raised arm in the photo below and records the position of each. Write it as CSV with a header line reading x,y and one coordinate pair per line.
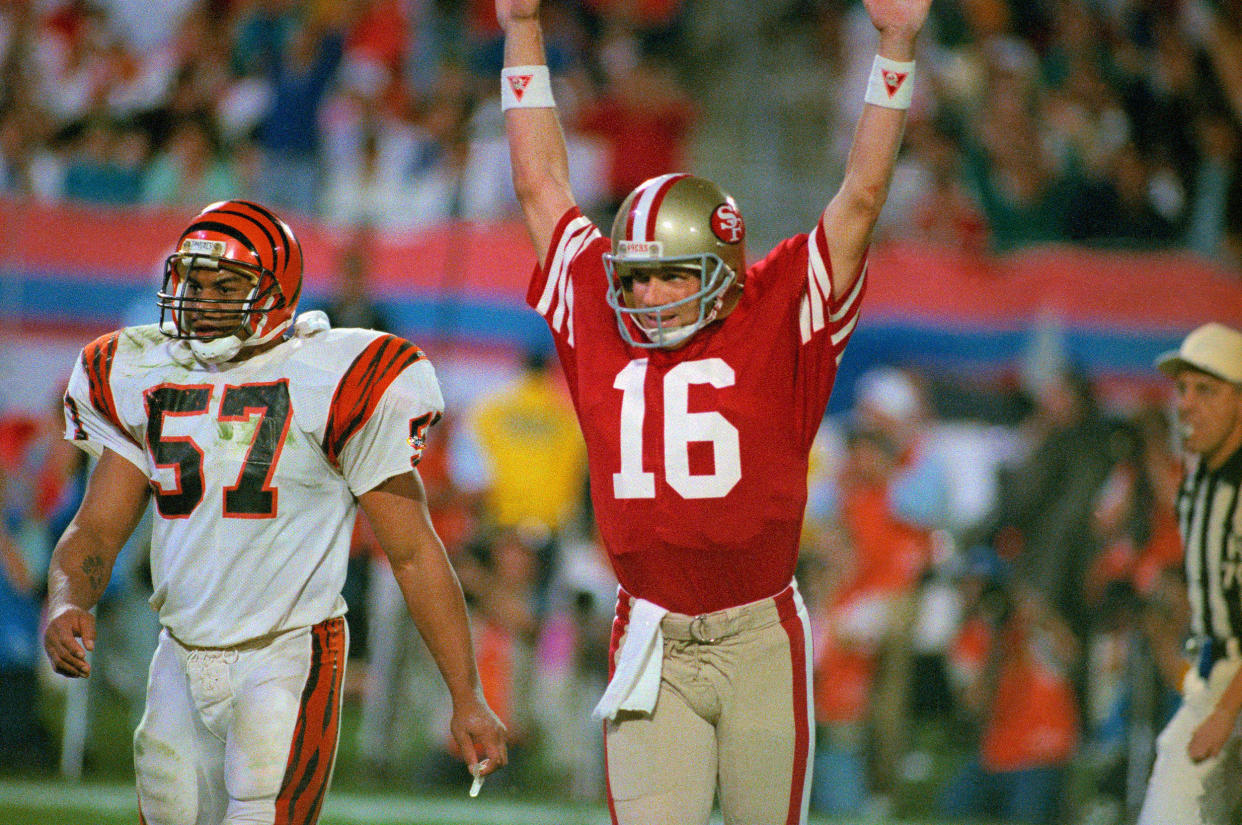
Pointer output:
x,y
115,499
536,144
851,215
397,511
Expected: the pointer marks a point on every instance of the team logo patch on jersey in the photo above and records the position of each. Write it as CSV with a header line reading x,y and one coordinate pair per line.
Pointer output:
x,y
727,224
641,249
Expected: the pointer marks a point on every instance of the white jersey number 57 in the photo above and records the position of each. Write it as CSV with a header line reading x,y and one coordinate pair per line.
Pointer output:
x,y
681,427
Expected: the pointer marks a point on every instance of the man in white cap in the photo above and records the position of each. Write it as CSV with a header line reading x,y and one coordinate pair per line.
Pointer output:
x,y
1195,778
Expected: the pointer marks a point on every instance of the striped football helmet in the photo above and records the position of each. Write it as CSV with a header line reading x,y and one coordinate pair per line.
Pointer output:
x,y
246,239
675,220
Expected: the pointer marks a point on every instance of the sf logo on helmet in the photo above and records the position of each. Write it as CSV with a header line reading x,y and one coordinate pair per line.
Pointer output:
x,y
727,223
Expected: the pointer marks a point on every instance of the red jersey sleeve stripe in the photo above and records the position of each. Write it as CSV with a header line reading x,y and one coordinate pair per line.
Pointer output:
x,y
315,735
361,388
555,302
97,358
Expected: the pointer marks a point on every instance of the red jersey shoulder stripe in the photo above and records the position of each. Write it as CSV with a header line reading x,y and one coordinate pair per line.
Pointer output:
x,y
97,358
555,302
362,386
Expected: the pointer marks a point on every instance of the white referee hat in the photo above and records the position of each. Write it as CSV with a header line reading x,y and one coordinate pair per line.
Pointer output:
x,y
1212,348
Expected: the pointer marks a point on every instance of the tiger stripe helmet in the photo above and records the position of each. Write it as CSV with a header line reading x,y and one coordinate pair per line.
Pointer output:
x,y
246,238
676,220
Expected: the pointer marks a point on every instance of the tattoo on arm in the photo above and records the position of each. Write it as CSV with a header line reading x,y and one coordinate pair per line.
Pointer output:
x,y
96,573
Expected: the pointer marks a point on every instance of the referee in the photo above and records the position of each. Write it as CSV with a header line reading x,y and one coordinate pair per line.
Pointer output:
x,y
1197,777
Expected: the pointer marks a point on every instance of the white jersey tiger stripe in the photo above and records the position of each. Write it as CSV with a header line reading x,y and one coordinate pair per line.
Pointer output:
x,y
556,302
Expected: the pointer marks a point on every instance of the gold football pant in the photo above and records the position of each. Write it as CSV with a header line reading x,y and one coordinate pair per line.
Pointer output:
x,y
734,713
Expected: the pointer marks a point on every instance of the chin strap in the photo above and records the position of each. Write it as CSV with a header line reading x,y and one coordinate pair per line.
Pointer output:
x,y
217,350
221,350
673,337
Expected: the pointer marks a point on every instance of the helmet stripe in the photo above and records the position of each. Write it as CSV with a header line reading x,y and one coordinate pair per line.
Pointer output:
x,y
262,226
290,244
646,207
275,221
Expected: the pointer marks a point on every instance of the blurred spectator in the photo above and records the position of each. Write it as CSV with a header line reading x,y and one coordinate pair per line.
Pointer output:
x,y
934,204
106,165
1013,659
498,573
300,73
1024,193
353,302
1134,520
1118,209
1217,175
844,672
24,741
1042,522
571,670
190,172
643,116
870,611
521,451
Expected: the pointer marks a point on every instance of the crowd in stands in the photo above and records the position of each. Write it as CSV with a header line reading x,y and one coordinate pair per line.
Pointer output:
x,y
997,602
1110,122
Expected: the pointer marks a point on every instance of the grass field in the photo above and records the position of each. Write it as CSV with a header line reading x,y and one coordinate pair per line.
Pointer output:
x,y
106,794
44,801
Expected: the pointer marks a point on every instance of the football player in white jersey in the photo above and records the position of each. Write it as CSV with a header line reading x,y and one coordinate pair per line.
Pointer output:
x,y
257,434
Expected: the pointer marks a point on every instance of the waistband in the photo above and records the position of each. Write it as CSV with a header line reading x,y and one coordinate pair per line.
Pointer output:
x,y
730,621
258,641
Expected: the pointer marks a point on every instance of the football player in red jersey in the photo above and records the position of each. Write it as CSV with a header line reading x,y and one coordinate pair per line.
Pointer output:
x,y
257,434
700,382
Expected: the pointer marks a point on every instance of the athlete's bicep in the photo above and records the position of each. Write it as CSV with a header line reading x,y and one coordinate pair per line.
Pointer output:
x,y
116,497
397,511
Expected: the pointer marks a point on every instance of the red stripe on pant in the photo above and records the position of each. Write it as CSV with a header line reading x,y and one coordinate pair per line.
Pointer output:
x,y
619,624
791,622
315,736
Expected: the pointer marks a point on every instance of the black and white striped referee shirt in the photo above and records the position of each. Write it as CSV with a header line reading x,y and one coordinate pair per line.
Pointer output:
x,y
1210,516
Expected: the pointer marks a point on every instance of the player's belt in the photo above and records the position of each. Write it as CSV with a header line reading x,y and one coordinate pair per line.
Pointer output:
x,y
1206,651
707,628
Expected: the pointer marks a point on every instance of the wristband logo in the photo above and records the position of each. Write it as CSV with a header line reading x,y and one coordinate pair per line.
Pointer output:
x,y
727,224
519,82
893,80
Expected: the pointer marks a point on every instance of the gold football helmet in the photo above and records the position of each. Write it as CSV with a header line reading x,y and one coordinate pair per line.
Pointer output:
x,y
675,220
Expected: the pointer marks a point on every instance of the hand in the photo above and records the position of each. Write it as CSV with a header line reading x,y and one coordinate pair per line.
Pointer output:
x,y
60,640
480,735
899,22
1211,735
509,11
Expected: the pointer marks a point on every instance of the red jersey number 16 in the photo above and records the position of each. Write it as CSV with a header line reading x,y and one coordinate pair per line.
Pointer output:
x,y
681,427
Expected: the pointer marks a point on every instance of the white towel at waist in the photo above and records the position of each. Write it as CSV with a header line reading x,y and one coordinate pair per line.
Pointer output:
x,y
636,681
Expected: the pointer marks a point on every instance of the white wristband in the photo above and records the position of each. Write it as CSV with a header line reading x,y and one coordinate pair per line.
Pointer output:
x,y
891,83
525,87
